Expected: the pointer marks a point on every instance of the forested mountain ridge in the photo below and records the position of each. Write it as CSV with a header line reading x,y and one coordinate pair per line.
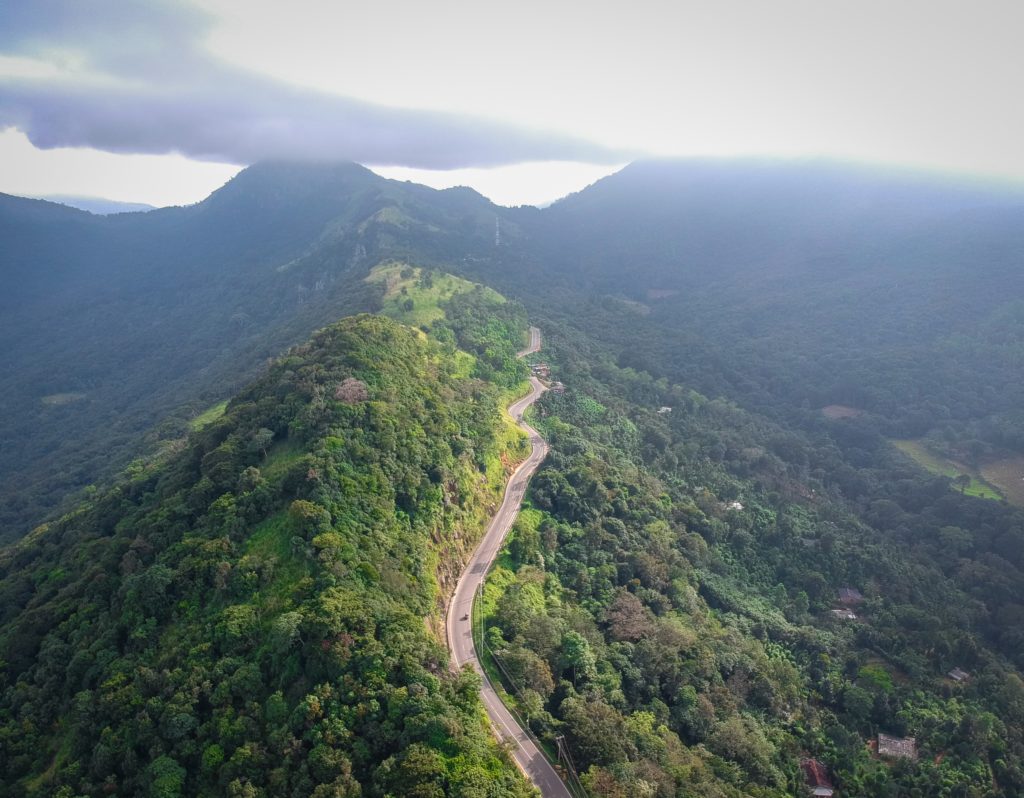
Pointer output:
x,y
98,205
895,305
669,596
789,285
114,325
247,618
808,285
672,604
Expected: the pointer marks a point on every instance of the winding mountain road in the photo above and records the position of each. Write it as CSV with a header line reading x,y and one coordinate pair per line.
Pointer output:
x,y
459,623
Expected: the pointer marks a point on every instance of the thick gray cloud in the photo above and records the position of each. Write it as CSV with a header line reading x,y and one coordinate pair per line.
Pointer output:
x,y
143,84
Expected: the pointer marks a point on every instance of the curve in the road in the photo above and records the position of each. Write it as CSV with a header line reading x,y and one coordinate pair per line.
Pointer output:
x,y
459,623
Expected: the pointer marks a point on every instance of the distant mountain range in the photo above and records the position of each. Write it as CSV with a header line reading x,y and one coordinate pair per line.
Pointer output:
x,y
762,269
114,324
783,385
98,205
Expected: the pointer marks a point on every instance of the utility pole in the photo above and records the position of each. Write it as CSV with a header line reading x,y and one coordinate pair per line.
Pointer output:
x,y
565,759
497,231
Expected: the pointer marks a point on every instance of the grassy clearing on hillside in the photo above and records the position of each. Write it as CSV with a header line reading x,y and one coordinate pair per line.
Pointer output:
x,y
208,416
271,542
947,468
271,537
464,363
414,297
281,456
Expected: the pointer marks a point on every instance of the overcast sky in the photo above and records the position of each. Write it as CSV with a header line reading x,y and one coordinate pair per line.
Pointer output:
x,y
162,102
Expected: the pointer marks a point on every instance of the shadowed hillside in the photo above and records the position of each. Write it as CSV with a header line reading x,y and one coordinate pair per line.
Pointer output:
x,y
113,324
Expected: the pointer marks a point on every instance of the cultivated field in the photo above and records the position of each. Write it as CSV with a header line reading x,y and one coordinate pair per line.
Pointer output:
x,y
1007,474
937,464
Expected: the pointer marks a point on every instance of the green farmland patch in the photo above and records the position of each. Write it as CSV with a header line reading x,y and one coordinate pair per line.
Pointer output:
x,y
947,468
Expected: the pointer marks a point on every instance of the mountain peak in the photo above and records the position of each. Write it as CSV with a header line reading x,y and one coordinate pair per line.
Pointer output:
x,y
288,181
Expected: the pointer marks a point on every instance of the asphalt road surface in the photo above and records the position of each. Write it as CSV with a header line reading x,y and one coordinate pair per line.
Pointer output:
x,y
533,347
460,612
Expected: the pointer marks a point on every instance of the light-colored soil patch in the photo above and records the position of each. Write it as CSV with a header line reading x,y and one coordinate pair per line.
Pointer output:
x,y
1007,474
841,411
661,293
57,399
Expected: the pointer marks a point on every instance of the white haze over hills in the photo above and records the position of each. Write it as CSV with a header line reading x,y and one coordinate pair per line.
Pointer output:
x,y
98,205
524,104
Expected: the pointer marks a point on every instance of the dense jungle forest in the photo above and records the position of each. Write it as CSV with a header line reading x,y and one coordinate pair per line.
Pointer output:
x,y
667,603
781,515
257,614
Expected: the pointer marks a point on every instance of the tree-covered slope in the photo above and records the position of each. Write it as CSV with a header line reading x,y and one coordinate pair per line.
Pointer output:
x,y
668,599
117,327
254,616
789,285
667,603
782,285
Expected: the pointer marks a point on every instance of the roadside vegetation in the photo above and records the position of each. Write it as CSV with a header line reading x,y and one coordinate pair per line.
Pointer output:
x,y
247,617
665,603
